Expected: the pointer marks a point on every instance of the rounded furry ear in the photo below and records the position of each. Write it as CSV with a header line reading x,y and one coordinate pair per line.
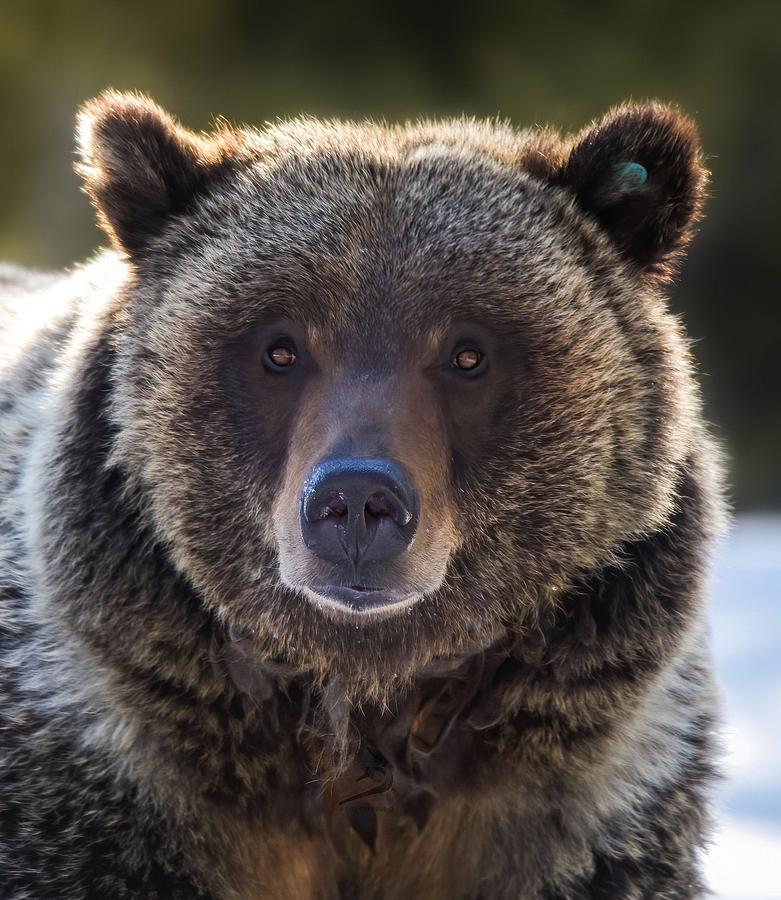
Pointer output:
x,y
140,167
639,172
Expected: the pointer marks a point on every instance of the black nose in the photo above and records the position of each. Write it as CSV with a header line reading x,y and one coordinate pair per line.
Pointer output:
x,y
358,508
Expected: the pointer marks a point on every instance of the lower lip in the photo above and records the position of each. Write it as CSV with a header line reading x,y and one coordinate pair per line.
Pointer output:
x,y
361,602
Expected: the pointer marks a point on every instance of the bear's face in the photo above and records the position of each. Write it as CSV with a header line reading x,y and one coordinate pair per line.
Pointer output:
x,y
409,380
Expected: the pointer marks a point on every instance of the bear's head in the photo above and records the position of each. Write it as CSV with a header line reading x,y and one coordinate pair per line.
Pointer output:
x,y
384,391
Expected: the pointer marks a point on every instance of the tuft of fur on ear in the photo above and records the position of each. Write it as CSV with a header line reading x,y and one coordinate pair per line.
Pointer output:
x,y
639,172
140,167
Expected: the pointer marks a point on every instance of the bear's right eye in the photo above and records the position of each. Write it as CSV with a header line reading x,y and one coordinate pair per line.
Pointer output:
x,y
468,360
280,356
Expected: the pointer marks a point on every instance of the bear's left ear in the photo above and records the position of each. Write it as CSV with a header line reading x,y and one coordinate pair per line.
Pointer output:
x,y
639,172
141,168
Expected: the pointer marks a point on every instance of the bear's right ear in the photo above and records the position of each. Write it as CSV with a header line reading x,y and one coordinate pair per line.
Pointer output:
x,y
140,167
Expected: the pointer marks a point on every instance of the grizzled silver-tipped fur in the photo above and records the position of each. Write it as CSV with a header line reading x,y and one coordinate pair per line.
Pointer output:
x,y
189,708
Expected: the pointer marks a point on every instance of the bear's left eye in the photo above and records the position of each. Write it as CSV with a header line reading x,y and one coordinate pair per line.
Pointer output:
x,y
467,360
280,356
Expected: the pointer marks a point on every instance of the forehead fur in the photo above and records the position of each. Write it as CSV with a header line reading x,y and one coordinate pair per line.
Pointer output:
x,y
396,142
334,219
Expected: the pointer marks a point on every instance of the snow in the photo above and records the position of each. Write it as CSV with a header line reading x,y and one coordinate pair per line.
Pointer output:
x,y
744,862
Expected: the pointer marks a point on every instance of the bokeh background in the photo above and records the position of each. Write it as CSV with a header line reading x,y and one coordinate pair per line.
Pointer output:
x,y
562,61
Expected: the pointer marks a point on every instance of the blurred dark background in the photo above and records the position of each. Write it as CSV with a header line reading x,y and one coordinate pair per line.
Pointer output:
x,y
559,62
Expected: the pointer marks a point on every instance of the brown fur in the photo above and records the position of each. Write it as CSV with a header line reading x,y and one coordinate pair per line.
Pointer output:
x,y
537,721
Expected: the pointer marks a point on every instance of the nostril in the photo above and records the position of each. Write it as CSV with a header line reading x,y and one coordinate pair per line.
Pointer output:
x,y
377,505
335,506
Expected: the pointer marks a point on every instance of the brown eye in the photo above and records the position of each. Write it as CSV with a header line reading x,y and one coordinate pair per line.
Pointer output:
x,y
466,360
281,357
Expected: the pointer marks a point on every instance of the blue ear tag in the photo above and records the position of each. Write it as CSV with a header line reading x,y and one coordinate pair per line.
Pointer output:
x,y
631,175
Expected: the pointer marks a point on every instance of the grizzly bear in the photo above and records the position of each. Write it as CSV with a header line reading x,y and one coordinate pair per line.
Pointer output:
x,y
355,518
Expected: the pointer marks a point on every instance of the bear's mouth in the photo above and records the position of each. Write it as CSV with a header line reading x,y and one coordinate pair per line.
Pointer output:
x,y
361,599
